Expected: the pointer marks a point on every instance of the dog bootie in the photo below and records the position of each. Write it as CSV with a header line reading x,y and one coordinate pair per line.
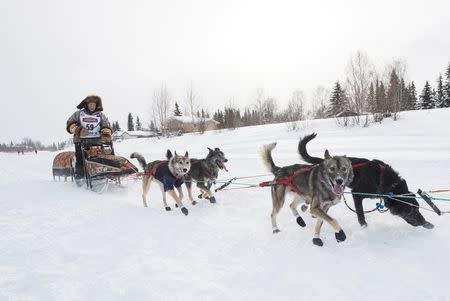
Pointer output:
x,y
300,221
428,225
276,230
194,202
340,236
304,207
184,210
317,241
168,208
212,199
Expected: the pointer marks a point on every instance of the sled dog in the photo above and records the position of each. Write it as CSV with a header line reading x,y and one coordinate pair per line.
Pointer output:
x,y
205,172
376,177
168,174
320,186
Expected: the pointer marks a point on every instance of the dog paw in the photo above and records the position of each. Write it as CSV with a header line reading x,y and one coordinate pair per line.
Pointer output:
x,y
184,210
176,205
300,221
212,200
304,207
317,241
168,208
194,202
363,223
275,231
340,236
428,225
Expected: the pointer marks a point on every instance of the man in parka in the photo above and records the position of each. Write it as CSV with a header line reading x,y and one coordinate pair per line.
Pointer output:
x,y
90,126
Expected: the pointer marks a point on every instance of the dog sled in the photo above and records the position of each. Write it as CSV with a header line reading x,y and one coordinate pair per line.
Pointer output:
x,y
101,167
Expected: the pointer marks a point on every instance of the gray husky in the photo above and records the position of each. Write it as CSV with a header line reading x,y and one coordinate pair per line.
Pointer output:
x,y
168,174
205,172
320,186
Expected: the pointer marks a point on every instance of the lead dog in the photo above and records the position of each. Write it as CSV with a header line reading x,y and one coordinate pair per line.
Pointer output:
x,y
320,185
204,172
376,177
167,174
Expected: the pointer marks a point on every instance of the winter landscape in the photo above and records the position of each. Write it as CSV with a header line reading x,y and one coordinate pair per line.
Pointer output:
x,y
61,242
200,90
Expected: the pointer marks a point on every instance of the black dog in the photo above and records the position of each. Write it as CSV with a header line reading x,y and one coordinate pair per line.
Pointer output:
x,y
376,177
205,172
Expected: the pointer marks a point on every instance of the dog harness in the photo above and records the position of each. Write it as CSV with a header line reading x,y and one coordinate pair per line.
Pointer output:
x,y
161,172
289,180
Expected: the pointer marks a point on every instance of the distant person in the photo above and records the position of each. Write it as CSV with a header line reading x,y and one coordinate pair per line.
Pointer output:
x,y
90,126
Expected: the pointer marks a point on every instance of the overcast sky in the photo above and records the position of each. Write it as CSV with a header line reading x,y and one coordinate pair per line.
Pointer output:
x,y
54,53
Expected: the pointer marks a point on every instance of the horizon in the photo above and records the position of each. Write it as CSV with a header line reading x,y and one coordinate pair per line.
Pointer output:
x,y
56,53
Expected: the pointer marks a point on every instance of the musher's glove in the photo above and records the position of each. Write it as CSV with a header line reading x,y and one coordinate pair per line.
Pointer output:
x,y
106,135
83,132
106,131
73,127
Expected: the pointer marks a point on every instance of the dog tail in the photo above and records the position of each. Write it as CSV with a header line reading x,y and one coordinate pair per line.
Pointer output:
x,y
302,150
267,157
140,158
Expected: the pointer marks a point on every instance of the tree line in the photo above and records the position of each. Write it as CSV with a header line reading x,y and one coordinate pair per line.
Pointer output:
x,y
30,145
363,96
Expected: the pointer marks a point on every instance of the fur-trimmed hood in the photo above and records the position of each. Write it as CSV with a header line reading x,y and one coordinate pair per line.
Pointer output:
x,y
89,98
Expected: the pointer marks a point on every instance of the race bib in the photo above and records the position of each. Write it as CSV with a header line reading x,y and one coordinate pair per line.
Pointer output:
x,y
91,123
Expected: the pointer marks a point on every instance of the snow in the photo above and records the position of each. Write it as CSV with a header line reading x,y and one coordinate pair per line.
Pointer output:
x,y
60,242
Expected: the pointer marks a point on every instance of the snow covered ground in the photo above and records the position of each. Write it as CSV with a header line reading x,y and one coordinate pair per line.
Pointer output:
x,y
60,242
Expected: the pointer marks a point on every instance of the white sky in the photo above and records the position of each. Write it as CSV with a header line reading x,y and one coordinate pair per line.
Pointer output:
x,y
54,53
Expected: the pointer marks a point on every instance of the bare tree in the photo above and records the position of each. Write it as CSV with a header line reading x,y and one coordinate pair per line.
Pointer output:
x,y
360,73
320,98
295,110
192,102
161,106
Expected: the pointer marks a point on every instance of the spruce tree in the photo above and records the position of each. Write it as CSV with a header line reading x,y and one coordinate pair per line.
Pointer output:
x,y
426,98
380,96
138,124
447,88
337,101
130,122
393,93
439,97
177,111
412,97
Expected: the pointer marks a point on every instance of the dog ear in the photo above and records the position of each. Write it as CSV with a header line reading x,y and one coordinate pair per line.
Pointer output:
x,y
169,154
186,154
175,152
210,150
216,149
327,155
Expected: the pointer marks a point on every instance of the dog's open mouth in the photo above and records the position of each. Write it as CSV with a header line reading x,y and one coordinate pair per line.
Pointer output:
x,y
338,189
221,165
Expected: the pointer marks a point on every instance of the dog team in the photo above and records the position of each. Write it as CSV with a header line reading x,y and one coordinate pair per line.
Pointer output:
x,y
318,185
